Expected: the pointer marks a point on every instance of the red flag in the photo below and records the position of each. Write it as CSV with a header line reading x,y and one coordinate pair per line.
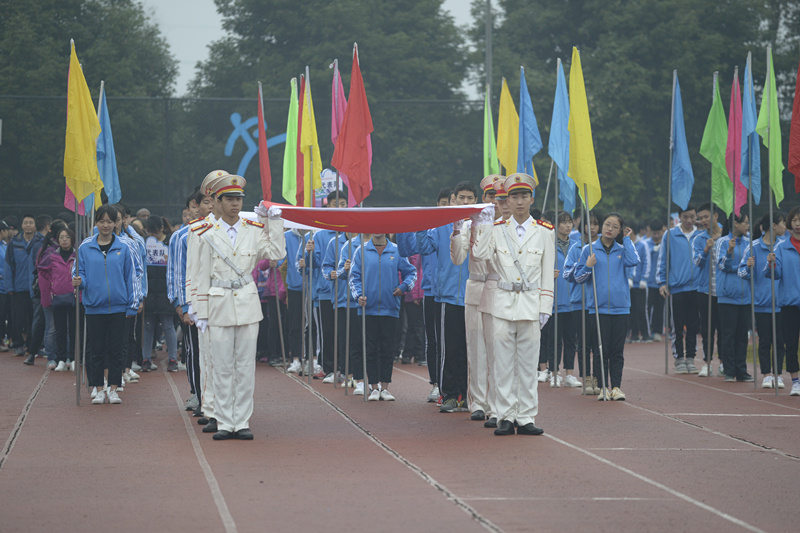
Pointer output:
x,y
300,195
733,152
69,202
794,137
351,155
263,155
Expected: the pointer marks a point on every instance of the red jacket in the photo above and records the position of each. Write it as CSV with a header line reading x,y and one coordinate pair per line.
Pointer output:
x,y
55,275
265,281
417,293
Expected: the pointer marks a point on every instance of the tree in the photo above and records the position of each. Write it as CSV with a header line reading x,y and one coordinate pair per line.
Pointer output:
x,y
629,49
409,50
115,42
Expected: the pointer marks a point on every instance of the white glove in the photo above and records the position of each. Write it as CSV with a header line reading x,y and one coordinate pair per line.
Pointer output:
x,y
643,285
543,318
487,215
630,283
260,210
192,314
201,324
274,212
457,225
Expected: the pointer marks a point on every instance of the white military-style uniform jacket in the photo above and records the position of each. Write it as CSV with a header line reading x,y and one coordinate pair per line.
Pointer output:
x,y
478,270
536,256
224,297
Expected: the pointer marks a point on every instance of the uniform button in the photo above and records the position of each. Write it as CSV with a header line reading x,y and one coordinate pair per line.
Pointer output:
x,y
517,279
519,252
234,253
235,293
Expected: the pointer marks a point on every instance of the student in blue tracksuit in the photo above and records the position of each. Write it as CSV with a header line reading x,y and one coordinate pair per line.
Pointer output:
x,y
704,258
451,283
106,275
760,264
733,295
294,294
638,275
682,290
324,288
4,230
655,302
562,338
331,273
610,255
313,321
579,303
18,273
346,252
787,269
378,292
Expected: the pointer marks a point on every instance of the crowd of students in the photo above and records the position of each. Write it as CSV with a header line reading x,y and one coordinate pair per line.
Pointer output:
x,y
612,279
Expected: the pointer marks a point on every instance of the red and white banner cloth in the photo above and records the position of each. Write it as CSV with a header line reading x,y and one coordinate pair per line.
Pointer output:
x,y
375,219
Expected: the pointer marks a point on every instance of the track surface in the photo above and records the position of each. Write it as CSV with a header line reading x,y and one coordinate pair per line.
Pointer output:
x,y
682,454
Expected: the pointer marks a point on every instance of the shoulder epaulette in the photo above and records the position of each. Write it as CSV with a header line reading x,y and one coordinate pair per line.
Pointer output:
x,y
545,224
205,229
500,222
252,223
201,226
198,219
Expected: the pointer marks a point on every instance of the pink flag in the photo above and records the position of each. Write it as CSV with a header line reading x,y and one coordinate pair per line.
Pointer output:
x,y
69,202
733,152
338,107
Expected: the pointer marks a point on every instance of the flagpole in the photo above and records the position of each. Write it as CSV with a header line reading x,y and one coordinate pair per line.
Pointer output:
x,y
586,373
604,390
775,369
555,288
310,293
668,340
364,315
547,189
335,300
710,337
347,317
275,274
304,317
76,358
752,269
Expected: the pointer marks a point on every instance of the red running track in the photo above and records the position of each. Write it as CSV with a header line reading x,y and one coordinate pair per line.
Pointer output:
x,y
683,453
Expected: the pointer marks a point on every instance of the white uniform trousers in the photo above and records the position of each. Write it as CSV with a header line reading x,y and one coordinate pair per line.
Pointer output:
x,y
206,375
234,370
477,391
488,337
516,352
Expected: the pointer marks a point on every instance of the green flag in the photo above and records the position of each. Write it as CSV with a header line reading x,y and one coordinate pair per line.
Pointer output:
x,y
290,150
712,147
770,130
490,164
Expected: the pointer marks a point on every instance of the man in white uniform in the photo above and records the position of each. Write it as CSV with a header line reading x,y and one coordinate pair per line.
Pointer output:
x,y
524,251
227,302
478,373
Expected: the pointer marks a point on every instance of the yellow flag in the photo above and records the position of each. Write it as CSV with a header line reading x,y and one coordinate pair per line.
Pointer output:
x,y
83,128
507,131
309,146
582,163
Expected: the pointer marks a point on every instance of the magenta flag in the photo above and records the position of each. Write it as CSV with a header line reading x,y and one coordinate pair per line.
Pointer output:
x,y
733,152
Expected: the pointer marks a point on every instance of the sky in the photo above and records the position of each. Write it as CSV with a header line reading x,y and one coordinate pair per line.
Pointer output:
x,y
191,25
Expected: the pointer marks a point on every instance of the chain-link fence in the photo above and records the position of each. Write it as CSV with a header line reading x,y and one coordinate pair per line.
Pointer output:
x,y
165,146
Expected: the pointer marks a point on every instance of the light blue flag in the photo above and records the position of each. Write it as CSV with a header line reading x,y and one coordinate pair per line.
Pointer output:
x,y
682,175
751,151
530,142
558,146
106,159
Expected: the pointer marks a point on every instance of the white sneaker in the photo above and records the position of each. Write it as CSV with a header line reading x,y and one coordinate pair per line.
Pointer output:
x,y
294,368
61,367
317,369
720,371
94,392
768,383
99,398
71,365
780,382
133,375
134,366
555,381
329,378
359,390
386,396
705,371
121,388
433,397
604,395
112,396
572,382
153,366
374,396
795,389
543,375
181,367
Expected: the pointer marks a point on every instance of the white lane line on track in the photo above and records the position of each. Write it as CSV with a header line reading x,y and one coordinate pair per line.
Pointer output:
x,y
718,433
459,502
410,374
216,493
729,414
674,450
737,394
12,439
588,499
661,486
